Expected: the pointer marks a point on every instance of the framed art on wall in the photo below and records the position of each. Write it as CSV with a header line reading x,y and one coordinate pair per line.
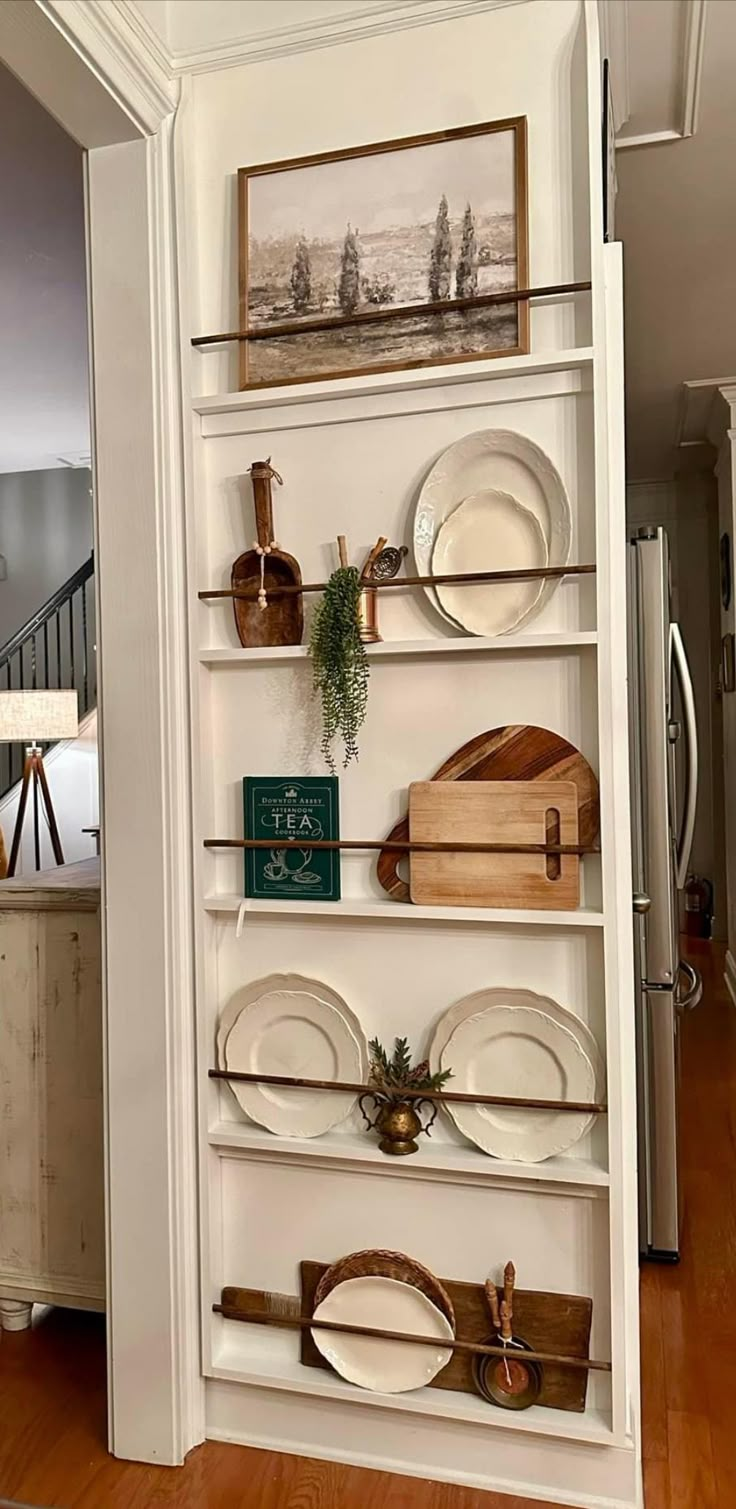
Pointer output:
x,y
385,256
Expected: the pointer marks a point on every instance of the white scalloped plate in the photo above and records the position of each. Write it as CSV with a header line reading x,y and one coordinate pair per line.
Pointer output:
x,y
503,460
292,1026
518,1050
501,995
489,531
387,1367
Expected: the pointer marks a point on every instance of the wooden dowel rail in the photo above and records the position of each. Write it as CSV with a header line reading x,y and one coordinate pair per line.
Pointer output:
x,y
395,845
447,579
406,311
455,1097
307,1323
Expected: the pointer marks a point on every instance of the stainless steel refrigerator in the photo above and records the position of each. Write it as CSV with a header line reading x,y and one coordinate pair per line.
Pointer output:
x,y
664,771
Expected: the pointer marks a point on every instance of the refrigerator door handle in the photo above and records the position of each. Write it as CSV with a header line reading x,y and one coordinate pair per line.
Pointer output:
x,y
682,671
694,992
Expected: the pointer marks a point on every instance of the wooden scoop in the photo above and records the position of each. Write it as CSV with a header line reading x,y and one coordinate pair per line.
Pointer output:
x,y
281,620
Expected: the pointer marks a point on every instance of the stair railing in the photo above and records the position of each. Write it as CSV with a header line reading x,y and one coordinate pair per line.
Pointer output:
x,y
55,648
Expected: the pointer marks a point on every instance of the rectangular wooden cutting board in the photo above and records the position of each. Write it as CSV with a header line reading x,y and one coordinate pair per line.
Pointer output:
x,y
523,812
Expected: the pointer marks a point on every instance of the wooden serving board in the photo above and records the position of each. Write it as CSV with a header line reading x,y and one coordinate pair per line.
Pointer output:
x,y
523,812
557,1323
515,752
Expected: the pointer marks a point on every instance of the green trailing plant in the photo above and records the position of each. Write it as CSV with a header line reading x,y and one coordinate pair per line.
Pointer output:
x,y
340,664
391,1076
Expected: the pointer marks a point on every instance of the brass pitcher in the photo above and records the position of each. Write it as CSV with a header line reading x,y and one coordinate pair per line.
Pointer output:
x,y
398,1121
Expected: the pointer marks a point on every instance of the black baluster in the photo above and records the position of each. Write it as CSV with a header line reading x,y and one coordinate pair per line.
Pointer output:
x,y
84,646
46,654
72,681
58,647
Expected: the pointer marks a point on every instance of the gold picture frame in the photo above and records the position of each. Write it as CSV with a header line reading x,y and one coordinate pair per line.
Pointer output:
x,y
349,264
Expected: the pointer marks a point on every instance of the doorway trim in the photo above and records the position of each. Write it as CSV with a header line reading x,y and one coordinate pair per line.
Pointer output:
x,y
122,108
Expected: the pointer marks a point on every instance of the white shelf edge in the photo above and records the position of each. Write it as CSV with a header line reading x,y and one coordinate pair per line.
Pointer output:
x,y
593,1427
513,644
406,911
528,365
438,1162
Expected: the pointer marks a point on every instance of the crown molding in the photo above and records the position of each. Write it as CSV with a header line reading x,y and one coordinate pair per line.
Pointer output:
x,y
107,36
689,80
321,31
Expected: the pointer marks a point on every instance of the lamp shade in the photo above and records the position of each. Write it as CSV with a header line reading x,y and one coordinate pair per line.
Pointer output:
x,y
38,715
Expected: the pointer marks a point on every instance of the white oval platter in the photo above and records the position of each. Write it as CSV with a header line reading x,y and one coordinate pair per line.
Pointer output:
x,y
512,463
387,1367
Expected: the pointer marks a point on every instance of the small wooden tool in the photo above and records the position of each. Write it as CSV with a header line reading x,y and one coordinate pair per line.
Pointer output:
x,y
260,619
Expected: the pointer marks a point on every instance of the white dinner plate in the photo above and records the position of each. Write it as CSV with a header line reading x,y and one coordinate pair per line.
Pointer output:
x,y
387,1367
501,995
289,1028
489,531
518,1050
502,460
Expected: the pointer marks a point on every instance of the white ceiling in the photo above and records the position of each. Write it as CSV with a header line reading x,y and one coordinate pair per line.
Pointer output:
x,y
676,215
43,312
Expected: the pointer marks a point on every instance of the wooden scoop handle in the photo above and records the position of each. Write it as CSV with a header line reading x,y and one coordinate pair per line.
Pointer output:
x,y
261,473
492,1298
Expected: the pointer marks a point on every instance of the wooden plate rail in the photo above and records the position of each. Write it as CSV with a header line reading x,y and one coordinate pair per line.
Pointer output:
x,y
403,846
557,1325
396,583
377,316
446,1097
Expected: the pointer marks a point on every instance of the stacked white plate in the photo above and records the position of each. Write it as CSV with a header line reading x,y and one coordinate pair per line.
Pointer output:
x,y
390,1367
493,501
520,1044
290,1026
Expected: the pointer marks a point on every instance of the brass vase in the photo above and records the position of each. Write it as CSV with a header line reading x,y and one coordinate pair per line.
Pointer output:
x,y
398,1122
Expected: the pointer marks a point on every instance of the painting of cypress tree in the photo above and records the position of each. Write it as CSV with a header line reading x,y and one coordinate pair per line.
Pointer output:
x,y
301,277
442,223
348,288
466,277
440,257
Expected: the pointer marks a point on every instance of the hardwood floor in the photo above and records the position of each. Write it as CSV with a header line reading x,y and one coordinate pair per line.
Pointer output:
x,y
52,1380
689,1401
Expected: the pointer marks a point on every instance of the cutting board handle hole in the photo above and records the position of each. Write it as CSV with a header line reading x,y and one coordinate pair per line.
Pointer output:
x,y
552,862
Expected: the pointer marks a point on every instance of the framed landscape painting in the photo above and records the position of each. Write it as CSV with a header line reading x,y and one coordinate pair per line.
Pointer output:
x,y
385,256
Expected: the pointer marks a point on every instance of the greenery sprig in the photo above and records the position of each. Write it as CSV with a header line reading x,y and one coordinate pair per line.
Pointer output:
x,y
391,1075
340,664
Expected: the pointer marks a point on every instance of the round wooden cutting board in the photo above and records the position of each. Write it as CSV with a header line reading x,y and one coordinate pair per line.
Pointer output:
x,y
517,752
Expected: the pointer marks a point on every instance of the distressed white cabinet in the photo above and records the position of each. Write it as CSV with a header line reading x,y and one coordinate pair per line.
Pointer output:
x,y
51,1124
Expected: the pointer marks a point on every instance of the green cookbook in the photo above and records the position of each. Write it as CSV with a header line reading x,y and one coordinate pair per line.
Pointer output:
x,y
300,811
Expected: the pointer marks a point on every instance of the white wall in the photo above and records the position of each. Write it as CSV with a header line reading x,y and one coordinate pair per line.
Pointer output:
x,y
45,536
676,216
72,772
43,358
688,509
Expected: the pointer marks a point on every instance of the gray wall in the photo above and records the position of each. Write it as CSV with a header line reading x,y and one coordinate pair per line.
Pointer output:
x,y
45,535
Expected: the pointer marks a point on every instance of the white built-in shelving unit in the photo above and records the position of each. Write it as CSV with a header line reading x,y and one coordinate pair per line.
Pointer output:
x,y
353,454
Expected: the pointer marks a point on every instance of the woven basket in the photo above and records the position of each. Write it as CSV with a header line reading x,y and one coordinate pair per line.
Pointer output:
x,y
376,1263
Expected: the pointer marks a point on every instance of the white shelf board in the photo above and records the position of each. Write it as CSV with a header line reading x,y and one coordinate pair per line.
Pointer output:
x,y
510,644
234,1364
405,911
252,400
440,1162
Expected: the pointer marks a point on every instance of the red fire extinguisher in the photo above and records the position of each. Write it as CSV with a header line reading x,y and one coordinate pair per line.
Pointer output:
x,y
698,906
